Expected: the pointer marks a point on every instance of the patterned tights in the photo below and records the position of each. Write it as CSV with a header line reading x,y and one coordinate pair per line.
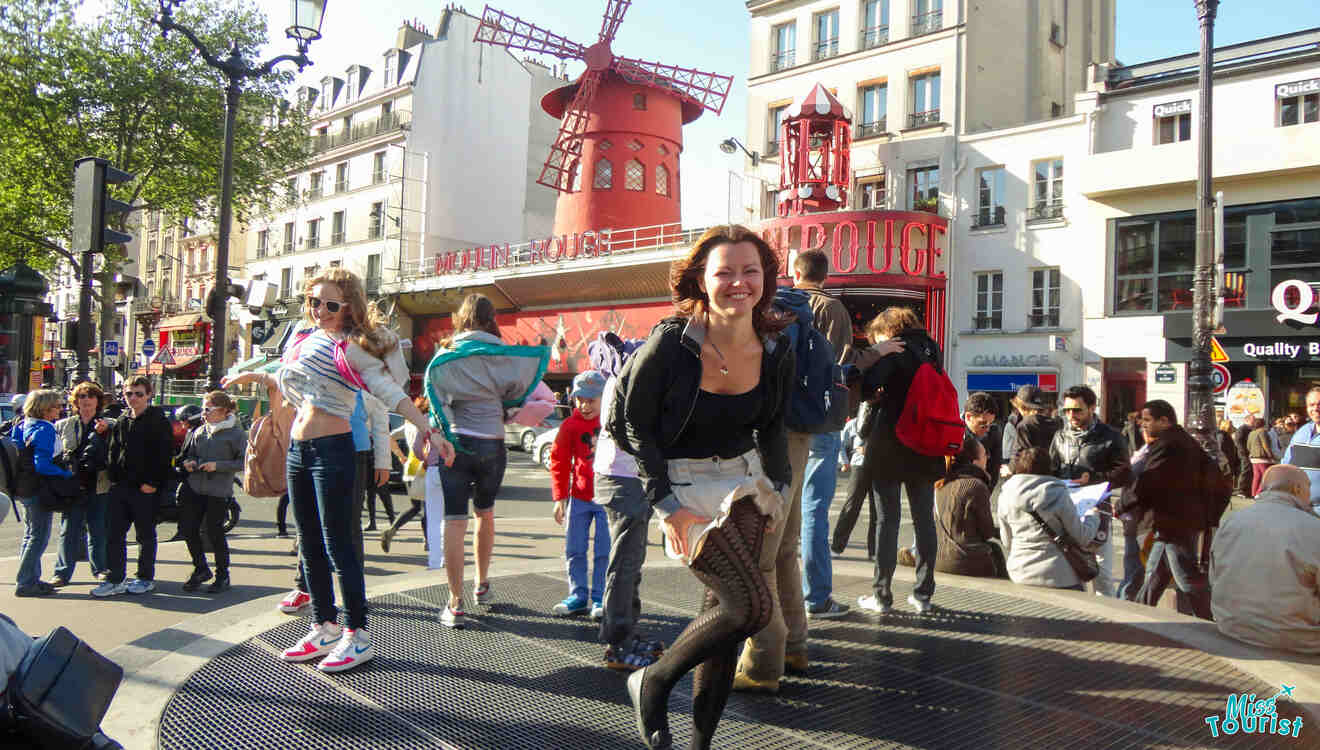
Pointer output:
x,y
737,606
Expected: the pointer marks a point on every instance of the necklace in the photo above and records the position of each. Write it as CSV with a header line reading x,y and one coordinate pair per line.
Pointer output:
x,y
724,367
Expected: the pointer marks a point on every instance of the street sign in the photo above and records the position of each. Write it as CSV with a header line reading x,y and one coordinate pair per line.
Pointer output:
x,y
110,348
1217,353
148,348
164,356
1219,378
1166,373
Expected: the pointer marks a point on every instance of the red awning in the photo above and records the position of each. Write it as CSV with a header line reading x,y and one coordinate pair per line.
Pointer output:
x,y
182,322
183,362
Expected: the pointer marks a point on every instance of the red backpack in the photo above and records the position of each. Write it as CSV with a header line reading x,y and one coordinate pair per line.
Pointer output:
x,y
930,423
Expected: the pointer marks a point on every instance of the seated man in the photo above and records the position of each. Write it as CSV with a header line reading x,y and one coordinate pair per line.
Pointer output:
x,y
1263,567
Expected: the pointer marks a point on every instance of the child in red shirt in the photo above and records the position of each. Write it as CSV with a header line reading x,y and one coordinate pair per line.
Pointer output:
x,y
572,487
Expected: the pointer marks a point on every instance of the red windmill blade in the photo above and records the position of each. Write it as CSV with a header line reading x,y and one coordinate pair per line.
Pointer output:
x,y
613,17
710,90
504,30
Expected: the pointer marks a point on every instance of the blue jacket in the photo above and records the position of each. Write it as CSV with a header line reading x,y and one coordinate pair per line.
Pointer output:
x,y
41,434
1304,453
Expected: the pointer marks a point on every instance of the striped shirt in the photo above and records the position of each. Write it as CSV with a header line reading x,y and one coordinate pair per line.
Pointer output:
x,y
313,377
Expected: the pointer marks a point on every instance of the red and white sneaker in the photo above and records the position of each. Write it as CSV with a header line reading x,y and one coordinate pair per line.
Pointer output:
x,y
353,649
320,640
295,602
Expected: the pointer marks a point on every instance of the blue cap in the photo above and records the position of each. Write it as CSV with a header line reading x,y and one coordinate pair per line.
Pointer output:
x,y
589,384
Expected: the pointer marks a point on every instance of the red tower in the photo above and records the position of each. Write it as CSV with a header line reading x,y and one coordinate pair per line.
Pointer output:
x,y
615,159
817,143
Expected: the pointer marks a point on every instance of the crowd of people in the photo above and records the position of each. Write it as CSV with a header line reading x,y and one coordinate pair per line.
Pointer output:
x,y
696,425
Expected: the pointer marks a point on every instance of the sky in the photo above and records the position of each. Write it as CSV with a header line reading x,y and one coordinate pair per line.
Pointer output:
x,y
712,36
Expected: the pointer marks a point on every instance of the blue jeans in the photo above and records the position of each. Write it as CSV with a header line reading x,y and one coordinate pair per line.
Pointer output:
x,y
1173,558
581,516
320,476
921,502
36,534
73,539
819,480
1134,574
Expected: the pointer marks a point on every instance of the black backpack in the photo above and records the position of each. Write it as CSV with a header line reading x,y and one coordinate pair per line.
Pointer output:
x,y
819,401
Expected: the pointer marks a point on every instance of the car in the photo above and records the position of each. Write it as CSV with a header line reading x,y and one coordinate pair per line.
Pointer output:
x,y
541,447
522,437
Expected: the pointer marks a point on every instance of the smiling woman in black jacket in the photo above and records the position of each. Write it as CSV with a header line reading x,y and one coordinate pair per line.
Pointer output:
x,y
702,409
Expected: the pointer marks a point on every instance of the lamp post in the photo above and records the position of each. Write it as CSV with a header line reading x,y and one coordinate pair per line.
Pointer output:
x,y
1200,416
305,27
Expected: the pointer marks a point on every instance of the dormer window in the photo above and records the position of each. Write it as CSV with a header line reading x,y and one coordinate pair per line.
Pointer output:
x,y
351,91
327,92
391,69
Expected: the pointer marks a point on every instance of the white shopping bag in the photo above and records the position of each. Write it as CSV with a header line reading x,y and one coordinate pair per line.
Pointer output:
x,y
435,518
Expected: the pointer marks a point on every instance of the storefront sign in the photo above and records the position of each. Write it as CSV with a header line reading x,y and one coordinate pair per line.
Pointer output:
x,y
184,343
1245,399
587,244
1173,108
1166,373
1012,360
863,242
1009,382
1285,90
1285,350
1294,312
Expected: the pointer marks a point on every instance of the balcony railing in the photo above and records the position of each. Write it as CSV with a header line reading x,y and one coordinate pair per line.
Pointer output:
x,y
314,191
288,247
989,217
261,251
1043,320
874,37
870,129
386,123
922,119
341,186
783,60
373,284
1046,211
337,238
925,23
373,233
378,177
825,49
988,322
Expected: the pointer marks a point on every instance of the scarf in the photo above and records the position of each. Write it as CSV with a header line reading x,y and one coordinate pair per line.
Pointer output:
x,y
224,424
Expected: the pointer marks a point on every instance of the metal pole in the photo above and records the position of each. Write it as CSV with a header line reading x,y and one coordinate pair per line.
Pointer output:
x,y
1200,403
220,314
83,341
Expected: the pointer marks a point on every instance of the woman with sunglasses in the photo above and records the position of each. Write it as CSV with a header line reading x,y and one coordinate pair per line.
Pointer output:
x,y
344,349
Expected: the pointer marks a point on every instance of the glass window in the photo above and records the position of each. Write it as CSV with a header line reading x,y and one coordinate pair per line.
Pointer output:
x,y
774,123
875,23
373,266
341,177
378,167
288,237
314,189
313,233
1294,110
389,71
1047,198
263,240
1177,245
989,301
634,176
874,106
785,47
639,101
375,222
871,194
925,194
286,282
925,100
351,88
1173,129
337,228
604,179
990,197
661,180
827,35
927,16
1046,296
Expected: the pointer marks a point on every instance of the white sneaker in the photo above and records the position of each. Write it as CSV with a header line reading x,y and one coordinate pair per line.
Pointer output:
x,y
140,586
110,589
871,604
597,613
321,639
354,648
922,606
452,618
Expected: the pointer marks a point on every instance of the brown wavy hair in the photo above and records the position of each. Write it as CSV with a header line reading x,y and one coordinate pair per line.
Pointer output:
x,y
365,324
893,321
685,277
476,313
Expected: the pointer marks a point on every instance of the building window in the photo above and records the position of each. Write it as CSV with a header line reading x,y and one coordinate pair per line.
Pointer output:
x,y
327,93
784,46
634,175
351,89
604,145
925,193
639,101
314,186
336,263
875,23
827,35
1056,109
774,124
313,234
1045,295
661,180
1302,108
192,260
288,237
341,177
927,17
263,240
1173,128
291,190
990,197
375,223
204,267
875,103
604,176
386,109
925,100
389,70
989,301
286,283
378,167
373,273
1047,196
337,228
871,193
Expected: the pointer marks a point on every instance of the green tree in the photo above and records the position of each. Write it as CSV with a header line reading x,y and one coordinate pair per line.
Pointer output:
x,y
114,88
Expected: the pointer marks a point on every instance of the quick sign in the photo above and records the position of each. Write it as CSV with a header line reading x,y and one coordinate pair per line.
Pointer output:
x,y
1285,90
1298,312
1173,108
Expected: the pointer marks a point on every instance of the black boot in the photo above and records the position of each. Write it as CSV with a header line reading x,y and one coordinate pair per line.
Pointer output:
x,y
220,585
196,580
653,729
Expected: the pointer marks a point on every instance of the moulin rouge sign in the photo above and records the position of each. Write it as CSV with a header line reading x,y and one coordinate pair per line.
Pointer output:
x,y
903,243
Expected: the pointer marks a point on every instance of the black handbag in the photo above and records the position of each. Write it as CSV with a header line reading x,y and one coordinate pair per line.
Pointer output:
x,y
61,691
1082,562
59,494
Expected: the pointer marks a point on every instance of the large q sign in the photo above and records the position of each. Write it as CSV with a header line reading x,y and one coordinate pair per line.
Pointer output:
x,y
1297,312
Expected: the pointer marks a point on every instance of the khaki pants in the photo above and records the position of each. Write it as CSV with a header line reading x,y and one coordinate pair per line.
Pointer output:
x,y
763,658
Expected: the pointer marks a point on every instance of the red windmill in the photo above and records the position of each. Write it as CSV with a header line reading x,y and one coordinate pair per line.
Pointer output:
x,y
615,159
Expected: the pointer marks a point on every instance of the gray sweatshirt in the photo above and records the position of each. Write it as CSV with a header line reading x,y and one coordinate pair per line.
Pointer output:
x,y
226,447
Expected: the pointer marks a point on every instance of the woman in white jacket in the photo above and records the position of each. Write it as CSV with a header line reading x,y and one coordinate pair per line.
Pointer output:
x,y
1033,558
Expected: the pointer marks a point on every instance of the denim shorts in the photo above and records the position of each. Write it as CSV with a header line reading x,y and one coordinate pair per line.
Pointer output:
x,y
476,475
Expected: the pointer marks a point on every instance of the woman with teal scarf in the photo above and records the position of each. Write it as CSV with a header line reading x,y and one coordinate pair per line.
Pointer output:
x,y
471,382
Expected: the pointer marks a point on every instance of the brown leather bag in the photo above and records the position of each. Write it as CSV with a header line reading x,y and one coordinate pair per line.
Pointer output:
x,y
267,449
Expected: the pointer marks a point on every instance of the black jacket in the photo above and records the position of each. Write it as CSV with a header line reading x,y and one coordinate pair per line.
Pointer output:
x,y
659,387
1098,452
141,448
1176,484
894,373
993,442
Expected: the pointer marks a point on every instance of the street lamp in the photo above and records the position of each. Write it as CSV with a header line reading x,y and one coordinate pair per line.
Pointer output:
x,y
1200,416
731,145
304,28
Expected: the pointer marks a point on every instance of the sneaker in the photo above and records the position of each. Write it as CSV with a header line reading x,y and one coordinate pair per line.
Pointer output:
x,y
354,648
483,594
872,604
597,612
572,606
827,610
321,639
59,582
452,617
922,606
386,537
140,586
110,589
295,602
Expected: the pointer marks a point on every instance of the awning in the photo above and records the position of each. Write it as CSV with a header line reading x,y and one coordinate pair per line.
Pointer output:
x,y
182,322
183,362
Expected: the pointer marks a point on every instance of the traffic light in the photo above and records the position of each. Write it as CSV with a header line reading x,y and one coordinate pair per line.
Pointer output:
x,y
92,205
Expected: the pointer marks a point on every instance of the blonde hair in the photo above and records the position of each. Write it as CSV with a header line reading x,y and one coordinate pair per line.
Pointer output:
x,y
39,402
893,321
364,323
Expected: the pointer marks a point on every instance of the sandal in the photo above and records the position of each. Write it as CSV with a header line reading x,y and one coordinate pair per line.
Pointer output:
x,y
616,658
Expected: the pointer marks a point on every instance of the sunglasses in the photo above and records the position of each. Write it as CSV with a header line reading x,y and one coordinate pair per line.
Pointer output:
x,y
135,394
1070,409
209,409
330,305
